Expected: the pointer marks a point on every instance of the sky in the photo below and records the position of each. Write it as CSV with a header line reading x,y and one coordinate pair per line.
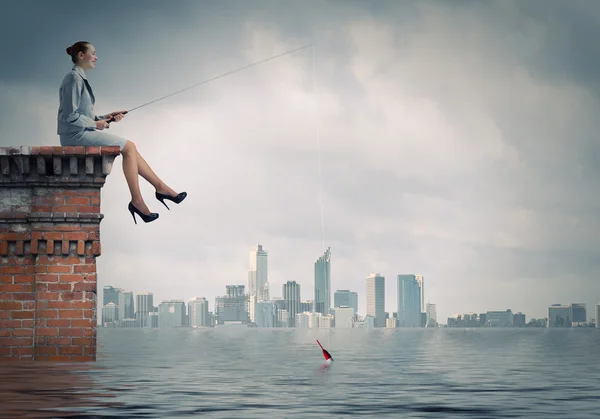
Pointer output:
x,y
457,140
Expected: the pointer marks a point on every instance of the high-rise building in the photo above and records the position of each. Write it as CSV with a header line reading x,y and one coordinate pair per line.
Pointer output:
x,y
258,280
291,294
126,307
231,307
198,312
172,314
376,299
431,315
579,312
322,302
346,298
597,319
144,306
560,315
409,301
421,281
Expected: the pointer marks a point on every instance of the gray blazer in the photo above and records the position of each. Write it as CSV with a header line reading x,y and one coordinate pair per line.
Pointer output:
x,y
76,107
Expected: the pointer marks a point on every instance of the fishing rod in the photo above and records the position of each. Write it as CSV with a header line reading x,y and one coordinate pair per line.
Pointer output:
x,y
112,118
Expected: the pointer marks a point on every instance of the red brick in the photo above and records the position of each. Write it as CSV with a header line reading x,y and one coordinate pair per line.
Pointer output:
x,y
78,200
47,314
11,287
23,296
71,332
80,235
60,341
92,151
52,235
23,314
58,323
59,287
11,305
46,331
9,236
13,270
48,296
70,314
24,279
22,332
50,247
65,208
70,350
84,268
23,351
87,304
83,322
59,304
89,209
80,247
59,268
46,278
71,278
84,286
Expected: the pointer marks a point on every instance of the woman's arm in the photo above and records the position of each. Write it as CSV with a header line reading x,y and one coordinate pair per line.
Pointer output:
x,y
71,100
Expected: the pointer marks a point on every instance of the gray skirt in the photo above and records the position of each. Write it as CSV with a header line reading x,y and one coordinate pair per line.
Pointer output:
x,y
91,138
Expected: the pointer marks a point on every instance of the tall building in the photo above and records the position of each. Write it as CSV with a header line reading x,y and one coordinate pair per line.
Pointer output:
x,y
431,315
258,281
198,312
291,294
409,301
172,313
126,307
579,312
597,319
145,306
560,315
346,298
231,307
322,302
376,299
110,294
421,281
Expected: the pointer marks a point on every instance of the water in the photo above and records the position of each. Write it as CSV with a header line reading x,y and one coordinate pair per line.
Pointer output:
x,y
384,373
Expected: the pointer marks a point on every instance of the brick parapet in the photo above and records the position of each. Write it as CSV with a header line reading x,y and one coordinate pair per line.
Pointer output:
x,y
49,240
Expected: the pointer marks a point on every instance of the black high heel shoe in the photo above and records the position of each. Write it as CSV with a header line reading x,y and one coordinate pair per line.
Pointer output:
x,y
147,218
177,198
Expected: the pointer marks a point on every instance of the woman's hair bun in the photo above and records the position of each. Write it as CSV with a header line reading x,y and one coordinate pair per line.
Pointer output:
x,y
69,50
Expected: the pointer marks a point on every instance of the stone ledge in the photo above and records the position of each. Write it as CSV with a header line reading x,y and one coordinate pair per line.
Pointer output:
x,y
55,166
60,150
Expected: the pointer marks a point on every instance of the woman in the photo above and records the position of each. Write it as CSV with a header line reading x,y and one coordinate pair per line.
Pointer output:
x,y
78,125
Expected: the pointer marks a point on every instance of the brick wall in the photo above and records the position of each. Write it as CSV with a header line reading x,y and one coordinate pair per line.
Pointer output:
x,y
49,240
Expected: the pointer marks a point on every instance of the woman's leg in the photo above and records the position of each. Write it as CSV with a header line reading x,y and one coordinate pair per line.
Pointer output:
x,y
131,171
147,173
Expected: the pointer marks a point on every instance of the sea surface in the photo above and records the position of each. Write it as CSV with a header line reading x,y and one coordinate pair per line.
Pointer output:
x,y
281,373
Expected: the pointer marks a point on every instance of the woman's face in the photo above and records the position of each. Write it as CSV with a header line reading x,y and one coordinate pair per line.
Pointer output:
x,y
88,60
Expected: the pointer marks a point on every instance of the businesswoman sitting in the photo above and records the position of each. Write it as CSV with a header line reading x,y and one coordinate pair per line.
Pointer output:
x,y
78,125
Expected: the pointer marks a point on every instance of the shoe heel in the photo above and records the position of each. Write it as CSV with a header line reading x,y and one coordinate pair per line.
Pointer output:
x,y
162,200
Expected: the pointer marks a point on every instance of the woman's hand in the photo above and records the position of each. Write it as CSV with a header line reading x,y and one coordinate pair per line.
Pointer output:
x,y
116,116
101,124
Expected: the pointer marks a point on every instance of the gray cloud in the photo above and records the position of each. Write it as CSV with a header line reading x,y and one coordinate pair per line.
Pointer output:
x,y
458,140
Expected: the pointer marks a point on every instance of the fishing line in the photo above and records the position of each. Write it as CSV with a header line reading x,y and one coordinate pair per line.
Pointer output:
x,y
320,176
212,79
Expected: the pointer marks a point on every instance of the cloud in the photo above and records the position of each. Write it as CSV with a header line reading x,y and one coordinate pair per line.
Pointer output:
x,y
456,140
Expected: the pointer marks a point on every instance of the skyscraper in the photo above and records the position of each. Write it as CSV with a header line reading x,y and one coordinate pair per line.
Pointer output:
x,y
258,283
421,282
291,294
322,302
376,298
409,301
258,276
346,298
